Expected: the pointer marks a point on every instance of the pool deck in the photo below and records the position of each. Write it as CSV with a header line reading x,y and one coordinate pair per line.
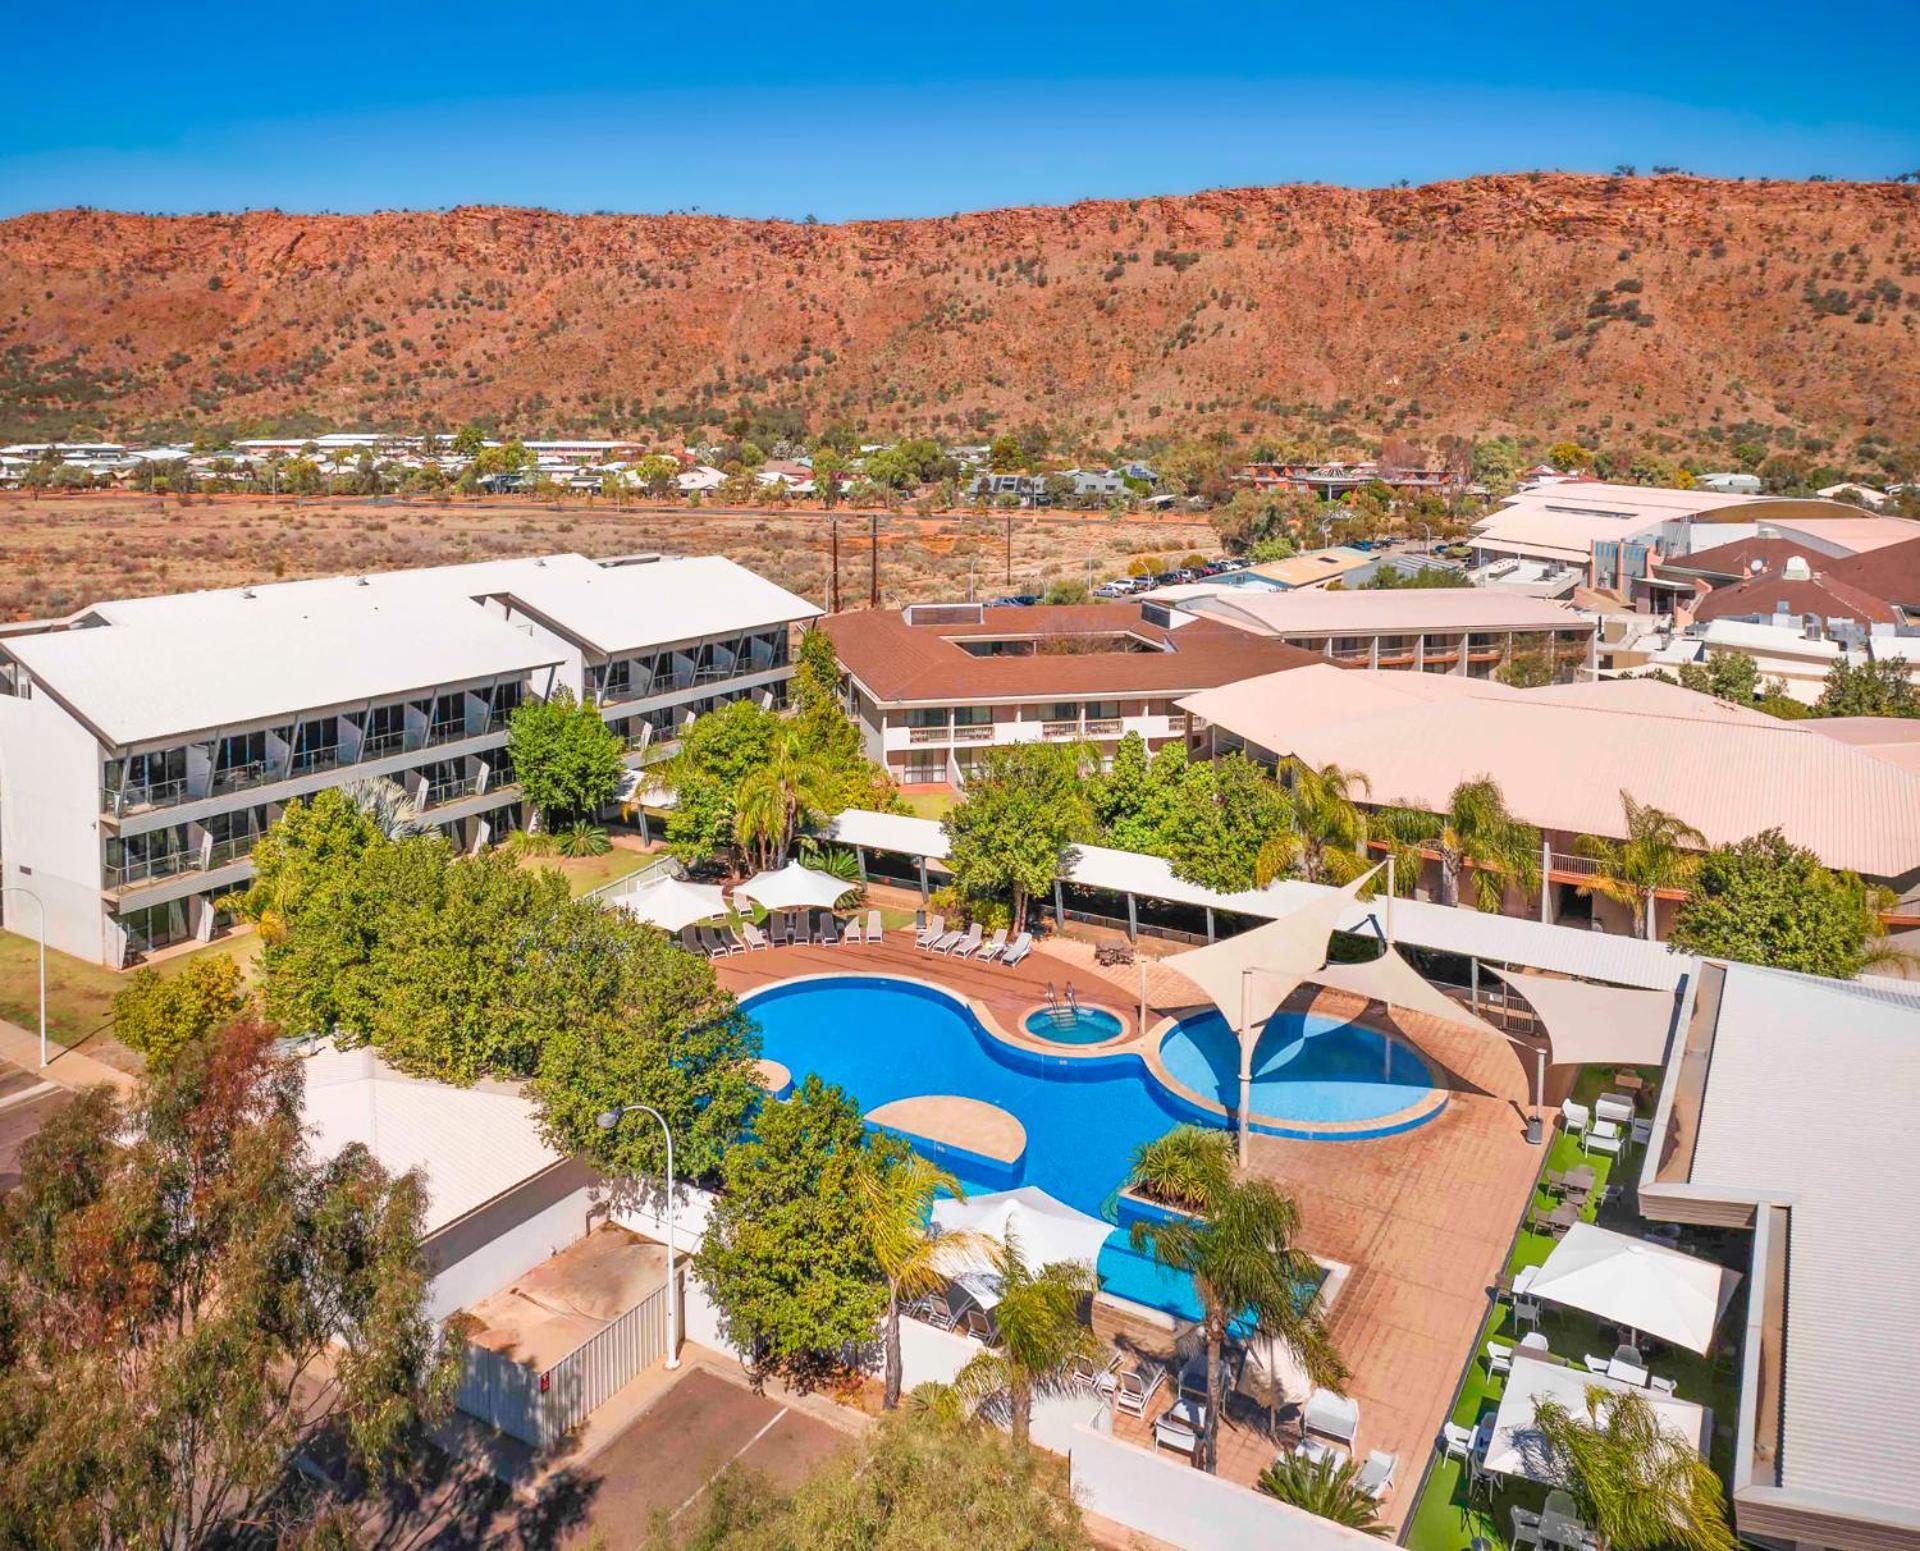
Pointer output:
x,y
1423,1218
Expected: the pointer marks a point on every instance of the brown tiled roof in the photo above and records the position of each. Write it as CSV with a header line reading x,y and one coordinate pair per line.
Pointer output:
x,y
898,662
1770,593
1892,573
1736,559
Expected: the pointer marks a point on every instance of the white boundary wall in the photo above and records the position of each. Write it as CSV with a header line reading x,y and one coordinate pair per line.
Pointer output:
x,y
1165,1497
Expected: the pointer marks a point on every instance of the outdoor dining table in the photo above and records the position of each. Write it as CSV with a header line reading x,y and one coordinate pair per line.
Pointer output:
x,y
1565,1215
1559,1525
1581,1178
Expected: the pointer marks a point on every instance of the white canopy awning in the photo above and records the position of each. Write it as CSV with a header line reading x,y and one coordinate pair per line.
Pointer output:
x,y
1045,1229
1588,1024
1675,1296
1517,1447
794,887
671,903
1391,979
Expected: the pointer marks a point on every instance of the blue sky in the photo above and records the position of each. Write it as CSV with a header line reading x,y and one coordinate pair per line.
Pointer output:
x,y
854,110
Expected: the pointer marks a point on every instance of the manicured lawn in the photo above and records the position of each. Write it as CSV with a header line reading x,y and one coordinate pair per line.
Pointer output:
x,y
1445,1519
930,805
591,872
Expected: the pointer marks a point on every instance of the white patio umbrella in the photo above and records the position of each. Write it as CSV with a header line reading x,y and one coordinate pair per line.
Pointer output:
x,y
1517,1446
671,903
794,887
1668,1294
1045,1229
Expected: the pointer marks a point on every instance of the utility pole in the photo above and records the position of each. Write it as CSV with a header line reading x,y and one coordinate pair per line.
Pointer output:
x,y
873,563
1009,548
969,578
834,594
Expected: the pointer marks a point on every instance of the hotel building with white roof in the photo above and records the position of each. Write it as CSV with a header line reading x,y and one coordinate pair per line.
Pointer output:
x,y
146,744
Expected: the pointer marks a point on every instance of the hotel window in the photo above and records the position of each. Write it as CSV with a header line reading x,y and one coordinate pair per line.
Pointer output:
x,y
928,716
1061,711
973,716
921,771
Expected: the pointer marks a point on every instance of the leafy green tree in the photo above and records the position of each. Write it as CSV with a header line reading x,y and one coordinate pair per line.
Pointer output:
x,y
1037,1338
1727,676
773,797
1006,455
158,1014
565,757
1228,809
897,1190
786,1258
1137,801
1764,900
1639,1483
1234,1235
716,754
658,475
310,844
1328,1488
1389,579
1660,852
916,1482
627,1018
1476,834
1014,831
829,469
1883,687
469,440
1570,457
193,1302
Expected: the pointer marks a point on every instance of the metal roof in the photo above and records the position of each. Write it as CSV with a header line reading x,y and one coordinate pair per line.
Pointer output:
x,y
1810,1097
1618,960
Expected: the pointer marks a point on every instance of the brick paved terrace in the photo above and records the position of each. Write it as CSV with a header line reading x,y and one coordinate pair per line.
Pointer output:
x,y
1422,1220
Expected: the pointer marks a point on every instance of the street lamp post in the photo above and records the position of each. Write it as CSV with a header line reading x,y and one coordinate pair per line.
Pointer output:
x,y
40,905
608,1120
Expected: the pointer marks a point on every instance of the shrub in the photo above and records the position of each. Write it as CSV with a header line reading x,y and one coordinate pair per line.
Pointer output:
x,y
157,1014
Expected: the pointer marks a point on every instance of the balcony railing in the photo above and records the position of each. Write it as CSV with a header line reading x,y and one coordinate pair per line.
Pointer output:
x,y
1103,726
452,791
311,761
153,794
973,732
929,734
224,852
237,778
151,869
447,732
1059,729
378,745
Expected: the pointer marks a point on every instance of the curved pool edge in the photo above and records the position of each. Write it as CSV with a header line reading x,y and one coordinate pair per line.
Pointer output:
x,y
1141,1049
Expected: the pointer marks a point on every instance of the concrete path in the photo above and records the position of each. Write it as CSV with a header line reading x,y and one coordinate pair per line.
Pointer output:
x,y
69,1068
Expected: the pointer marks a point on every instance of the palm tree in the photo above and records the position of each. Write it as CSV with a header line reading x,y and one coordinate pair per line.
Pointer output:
x,y
388,804
896,1196
1328,838
1330,1489
770,799
1661,851
1476,833
1638,1483
1881,952
1238,1246
1038,1336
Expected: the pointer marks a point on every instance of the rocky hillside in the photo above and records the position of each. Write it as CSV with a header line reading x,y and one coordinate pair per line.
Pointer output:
x,y
1628,308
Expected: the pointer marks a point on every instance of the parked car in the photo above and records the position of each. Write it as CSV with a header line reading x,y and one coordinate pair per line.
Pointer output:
x,y
1112,590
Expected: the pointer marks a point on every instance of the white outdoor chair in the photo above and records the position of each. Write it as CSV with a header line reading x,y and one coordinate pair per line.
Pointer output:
x,y
1576,1116
1456,1442
1597,1365
1660,1385
1376,1475
1499,1359
1331,1416
1603,1136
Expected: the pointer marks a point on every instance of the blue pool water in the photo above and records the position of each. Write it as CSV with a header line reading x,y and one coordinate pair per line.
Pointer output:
x,y
883,1040
1078,1026
1306,1068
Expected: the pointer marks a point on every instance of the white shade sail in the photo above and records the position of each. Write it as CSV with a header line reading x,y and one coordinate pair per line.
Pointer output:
x,y
1045,1229
1517,1447
1587,1024
671,903
1392,980
1663,1292
794,887
1248,975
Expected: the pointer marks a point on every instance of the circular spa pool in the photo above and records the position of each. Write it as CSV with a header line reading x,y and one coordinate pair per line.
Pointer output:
x,y
1308,1071
1073,1025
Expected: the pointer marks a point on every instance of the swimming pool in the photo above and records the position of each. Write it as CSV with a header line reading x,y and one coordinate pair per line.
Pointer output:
x,y
1308,1070
1073,1025
884,1040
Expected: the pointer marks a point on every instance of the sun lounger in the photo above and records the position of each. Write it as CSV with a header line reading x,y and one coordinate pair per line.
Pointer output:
x,y
711,943
874,931
931,933
754,936
966,945
939,1312
1018,949
1135,1387
729,941
688,941
829,931
777,930
993,949
948,940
